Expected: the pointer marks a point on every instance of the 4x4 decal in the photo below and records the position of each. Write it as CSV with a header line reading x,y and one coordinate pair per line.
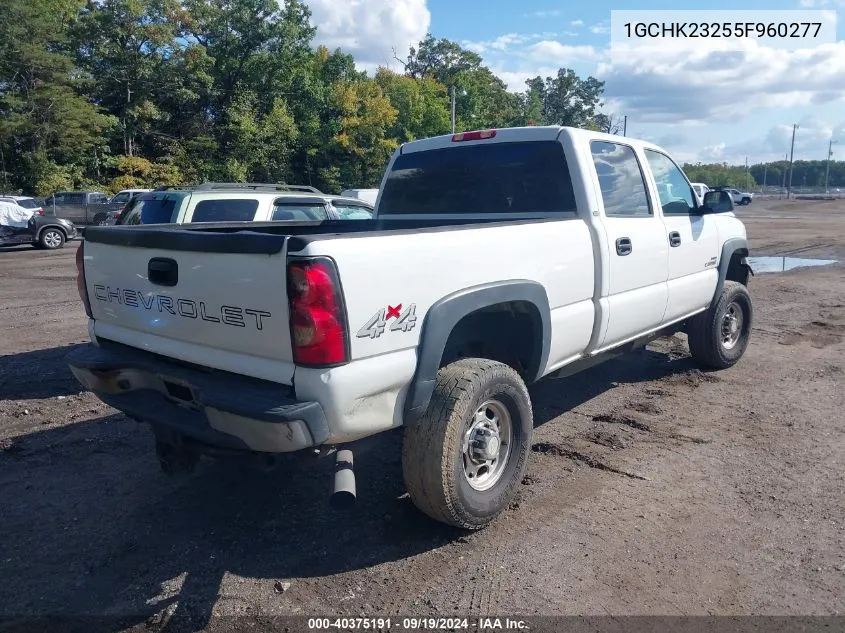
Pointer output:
x,y
404,320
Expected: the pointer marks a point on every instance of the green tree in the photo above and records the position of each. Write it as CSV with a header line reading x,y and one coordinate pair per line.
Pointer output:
x,y
45,123
365,114
566,99
422,105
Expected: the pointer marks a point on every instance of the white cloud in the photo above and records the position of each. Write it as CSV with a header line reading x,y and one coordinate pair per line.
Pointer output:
x,y
577,23
550,51
553,13
370,30
818,4
601,28
659,84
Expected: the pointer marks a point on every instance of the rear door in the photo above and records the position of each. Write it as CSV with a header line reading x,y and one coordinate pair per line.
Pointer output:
x,y
636,244
692,238
215,300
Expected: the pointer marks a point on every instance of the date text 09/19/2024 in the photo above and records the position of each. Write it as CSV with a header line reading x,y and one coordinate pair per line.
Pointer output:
x,y
417,624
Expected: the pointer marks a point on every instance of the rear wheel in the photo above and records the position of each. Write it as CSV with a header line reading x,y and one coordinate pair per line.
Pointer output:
x,y
463,461
718,337
51,239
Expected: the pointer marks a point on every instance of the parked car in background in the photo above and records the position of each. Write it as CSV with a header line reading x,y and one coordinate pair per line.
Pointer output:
x,y
113,217
25,202
125,196
80,207
739,197
42,231
238,202
700,189
367,195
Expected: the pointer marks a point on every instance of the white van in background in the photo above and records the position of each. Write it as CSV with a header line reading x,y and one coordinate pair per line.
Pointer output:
x,y
367,195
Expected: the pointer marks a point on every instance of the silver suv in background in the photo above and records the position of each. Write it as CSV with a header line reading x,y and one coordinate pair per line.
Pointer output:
x,y
242,202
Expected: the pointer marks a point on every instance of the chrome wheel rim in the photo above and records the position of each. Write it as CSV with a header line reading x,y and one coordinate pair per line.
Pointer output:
x,y
487,445
52,239
732,326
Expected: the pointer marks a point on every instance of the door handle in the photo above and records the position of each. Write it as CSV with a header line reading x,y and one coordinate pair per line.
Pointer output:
x,y
163,271
624,246
674,238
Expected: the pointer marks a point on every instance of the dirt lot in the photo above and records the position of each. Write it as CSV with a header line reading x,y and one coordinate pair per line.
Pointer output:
x,y
652,489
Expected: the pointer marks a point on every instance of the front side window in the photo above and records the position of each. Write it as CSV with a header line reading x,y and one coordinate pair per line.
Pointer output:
x,y
348,211
675,192
620,180
121,197
301,212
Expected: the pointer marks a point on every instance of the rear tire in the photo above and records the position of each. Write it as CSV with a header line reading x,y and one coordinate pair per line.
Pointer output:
x,y
719,336
51,239
463,461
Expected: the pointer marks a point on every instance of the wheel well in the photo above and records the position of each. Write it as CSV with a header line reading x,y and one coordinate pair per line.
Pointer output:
x,y
737,271
510,333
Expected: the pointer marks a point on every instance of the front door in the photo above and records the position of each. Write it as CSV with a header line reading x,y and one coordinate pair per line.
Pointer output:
x,y
636,244
692,238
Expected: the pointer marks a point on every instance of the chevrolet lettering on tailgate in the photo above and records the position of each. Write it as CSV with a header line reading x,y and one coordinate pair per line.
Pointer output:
x,y
236,316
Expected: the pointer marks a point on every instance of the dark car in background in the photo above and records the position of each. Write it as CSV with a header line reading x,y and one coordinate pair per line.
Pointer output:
x,y
42,231
80,207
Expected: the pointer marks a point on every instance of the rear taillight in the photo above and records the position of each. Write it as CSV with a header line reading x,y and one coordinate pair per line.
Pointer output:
x,y
317,315
473,136
39,211
80,278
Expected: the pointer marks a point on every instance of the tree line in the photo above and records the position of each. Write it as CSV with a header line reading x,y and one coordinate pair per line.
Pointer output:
x,y
144,93
805,173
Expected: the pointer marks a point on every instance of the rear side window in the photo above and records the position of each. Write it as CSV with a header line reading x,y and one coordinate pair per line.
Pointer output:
x,y
527,177
75,198
27,203
620,179
291,211
225,211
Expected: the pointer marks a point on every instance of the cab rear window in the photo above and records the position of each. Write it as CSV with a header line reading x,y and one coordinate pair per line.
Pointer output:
x,y
524,177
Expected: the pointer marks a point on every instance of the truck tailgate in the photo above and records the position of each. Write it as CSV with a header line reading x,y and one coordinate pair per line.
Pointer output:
x,y
219,301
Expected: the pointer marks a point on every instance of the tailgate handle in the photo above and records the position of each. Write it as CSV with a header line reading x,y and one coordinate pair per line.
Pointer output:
x,y
163,271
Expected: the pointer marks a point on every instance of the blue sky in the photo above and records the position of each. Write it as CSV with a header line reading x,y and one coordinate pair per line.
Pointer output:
x,y
702,107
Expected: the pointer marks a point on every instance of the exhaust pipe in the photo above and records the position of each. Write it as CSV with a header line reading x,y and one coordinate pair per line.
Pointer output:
x,y
343,496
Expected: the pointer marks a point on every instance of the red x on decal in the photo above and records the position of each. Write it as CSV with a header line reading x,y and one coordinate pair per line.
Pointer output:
x,y
393,312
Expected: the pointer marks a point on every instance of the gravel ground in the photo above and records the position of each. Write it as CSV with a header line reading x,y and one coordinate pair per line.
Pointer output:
x,y
653,488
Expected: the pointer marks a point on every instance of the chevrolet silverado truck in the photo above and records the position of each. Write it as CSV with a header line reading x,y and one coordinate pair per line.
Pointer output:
x,y
494,258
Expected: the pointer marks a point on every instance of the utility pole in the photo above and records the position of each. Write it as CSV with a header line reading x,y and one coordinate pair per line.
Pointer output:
x,y
625,126
746,173
827,167
765,171
452,94
791,156
785,160
126,121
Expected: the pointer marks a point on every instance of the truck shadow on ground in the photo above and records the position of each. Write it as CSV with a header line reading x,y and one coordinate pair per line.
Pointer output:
x,y
92,527
39,374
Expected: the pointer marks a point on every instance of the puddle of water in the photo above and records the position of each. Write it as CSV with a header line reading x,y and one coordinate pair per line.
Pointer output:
x,y
782,264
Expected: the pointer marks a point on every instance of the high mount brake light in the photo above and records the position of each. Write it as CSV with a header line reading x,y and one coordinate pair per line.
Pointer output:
x,y
80,279
473,136
317,317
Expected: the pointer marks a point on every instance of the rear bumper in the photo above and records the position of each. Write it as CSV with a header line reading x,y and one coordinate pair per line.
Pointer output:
x,y
216,408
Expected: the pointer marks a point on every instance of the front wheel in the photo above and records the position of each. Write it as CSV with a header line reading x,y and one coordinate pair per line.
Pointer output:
x,y
463,461
719,336
51,239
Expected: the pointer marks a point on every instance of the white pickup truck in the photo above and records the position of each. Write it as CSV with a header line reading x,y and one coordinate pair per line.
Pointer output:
x,y
494,259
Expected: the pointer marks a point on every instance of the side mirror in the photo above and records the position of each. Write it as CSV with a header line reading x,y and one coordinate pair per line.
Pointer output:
x,y
717,202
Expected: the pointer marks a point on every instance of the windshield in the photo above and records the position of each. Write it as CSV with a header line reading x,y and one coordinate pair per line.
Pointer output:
x,y
526,177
